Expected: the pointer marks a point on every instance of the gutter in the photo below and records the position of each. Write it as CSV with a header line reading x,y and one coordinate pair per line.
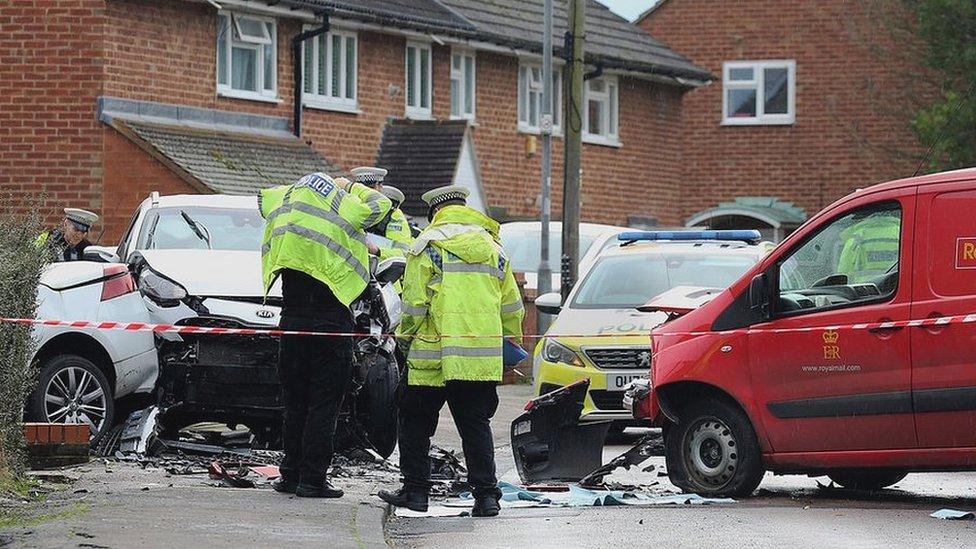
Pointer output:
x,y
299,73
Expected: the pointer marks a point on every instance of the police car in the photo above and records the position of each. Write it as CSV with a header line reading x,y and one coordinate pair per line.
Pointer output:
x,y
599,333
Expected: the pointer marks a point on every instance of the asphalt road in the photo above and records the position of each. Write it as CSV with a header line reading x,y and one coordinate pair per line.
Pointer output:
x,y
788,511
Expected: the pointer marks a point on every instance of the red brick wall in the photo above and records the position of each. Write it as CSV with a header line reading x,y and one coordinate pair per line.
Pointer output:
x,y
50,75
851,129
130,175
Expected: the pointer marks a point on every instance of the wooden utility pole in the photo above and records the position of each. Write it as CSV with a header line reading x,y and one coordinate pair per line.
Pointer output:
x,y
573,109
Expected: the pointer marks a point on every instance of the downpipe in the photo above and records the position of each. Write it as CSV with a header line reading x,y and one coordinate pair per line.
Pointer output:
x,y
298,69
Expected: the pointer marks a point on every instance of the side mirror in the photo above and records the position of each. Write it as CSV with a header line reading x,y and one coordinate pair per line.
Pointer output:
x,y
550,303
101,254
390,270
759,294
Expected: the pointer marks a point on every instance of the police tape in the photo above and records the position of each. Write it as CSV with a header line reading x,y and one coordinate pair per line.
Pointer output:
x,y
882,326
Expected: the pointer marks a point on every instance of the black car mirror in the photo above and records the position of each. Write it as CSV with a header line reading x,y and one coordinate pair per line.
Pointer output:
x,y
390,270
759,294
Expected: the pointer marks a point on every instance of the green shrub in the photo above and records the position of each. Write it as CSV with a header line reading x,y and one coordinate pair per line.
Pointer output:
x,y
20,268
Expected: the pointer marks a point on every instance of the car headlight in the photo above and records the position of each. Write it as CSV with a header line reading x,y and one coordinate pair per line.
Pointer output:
x,y
159,288
554,351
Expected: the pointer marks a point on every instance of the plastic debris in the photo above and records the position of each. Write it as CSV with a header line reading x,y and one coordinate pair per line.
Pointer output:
x,y
953,514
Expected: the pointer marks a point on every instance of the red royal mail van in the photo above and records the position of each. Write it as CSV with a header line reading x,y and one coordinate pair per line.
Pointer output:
x,y
850,350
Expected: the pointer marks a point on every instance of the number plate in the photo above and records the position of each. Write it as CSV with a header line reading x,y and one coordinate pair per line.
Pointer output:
x,y
618,382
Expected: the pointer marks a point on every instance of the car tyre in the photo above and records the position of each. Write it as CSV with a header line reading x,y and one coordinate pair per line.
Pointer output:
x,y
71,389
713,450
380,405
866,479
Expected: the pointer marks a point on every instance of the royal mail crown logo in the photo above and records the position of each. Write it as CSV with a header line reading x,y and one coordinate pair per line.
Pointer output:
x,y
831,336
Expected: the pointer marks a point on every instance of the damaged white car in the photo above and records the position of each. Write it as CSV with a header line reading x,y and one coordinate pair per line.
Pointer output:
x,y
196,260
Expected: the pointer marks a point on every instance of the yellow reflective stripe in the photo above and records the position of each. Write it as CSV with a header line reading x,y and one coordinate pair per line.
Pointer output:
x,y
322,239
456,351
451,267
325,215
413,310
512,307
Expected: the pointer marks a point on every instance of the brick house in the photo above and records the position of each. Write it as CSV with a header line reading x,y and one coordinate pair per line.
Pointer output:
x,y
807,105
103,101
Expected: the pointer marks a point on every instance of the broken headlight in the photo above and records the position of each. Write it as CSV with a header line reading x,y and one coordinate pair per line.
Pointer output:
x,y
554,351
159,288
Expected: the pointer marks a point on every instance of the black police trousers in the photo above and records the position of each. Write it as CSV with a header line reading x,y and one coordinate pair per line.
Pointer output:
x,y
314,373
472,404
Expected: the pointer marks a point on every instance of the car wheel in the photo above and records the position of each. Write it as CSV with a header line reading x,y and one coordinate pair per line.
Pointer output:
x,y
71,389
713,451
379,406
866,479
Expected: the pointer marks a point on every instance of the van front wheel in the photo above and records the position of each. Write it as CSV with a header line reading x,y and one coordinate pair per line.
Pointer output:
x,y
713,450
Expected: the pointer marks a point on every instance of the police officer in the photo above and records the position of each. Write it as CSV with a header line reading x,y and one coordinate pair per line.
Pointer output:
x,y
459,300
394,226
68,242
314,240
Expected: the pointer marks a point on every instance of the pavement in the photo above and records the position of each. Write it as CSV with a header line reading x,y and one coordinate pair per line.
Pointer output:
x,y
122,505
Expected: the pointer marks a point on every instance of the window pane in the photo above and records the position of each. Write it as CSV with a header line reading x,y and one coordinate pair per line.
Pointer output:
x,y
322,62
269,61
469,85
252,29
597,86
742,103
424,79
776,87
456,62
244,69
455,102
594,122
534,108
613,109
223,28
411,77
741,74
336,65
859,248
350,67
523,94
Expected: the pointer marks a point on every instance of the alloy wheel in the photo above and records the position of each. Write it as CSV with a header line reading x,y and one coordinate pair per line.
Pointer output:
x,y
74,395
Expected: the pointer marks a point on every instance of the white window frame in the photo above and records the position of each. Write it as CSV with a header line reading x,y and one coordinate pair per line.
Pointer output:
x,y
459,79
256,43
418,111
524,124
758,83
610,108
316,99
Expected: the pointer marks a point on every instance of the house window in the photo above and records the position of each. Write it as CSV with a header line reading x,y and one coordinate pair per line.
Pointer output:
x,y
462,84
600,112
759,92
330,70
246,56
417,68
530,98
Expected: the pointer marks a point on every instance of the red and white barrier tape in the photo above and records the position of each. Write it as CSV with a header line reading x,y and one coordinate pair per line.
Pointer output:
x,y
173,329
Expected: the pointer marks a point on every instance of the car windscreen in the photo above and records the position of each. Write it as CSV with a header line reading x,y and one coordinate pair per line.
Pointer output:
x,y
201,228
524,249
628,281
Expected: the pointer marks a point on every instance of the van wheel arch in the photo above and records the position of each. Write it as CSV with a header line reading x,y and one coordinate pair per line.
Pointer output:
x,y
82,345
673,396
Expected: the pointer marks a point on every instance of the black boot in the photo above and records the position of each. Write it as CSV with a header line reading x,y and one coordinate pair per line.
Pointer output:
x,y
318,490
414,500
485,506
284,486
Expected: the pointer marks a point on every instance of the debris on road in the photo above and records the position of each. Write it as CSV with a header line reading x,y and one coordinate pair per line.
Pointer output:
x,y
647,446
550,443
517,497
953,514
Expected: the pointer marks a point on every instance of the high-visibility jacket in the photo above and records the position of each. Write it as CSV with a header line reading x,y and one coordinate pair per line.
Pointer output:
x,y
459,300
398,232
870,247
317,228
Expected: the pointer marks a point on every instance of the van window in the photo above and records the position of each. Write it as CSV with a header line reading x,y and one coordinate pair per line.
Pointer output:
x,y
853,259
952,244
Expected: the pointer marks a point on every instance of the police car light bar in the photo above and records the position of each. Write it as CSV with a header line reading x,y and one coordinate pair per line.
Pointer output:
x,y
750,236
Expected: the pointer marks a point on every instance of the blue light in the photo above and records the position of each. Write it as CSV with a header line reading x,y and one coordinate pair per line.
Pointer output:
x,y
741,235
